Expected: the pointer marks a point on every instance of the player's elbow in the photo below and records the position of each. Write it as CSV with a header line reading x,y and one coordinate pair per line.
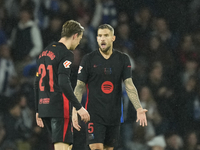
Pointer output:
x,y
63,81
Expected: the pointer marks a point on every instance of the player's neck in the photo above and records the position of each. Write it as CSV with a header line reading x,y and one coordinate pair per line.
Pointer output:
x,y
66,42
106,54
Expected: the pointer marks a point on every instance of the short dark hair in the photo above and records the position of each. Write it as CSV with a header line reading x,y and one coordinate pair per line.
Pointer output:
x,y
70,28
106,26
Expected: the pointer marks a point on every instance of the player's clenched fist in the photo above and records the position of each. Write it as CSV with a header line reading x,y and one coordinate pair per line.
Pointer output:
x,y
84,114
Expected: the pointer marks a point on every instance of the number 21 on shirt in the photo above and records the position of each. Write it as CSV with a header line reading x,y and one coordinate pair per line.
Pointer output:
x,y
42,70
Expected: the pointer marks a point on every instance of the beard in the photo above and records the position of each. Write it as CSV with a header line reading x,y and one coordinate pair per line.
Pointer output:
x,y
104,50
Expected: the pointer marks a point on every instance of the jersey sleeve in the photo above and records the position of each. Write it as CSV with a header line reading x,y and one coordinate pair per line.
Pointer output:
x,y
65,85
127,67
64,70
83,69
65,63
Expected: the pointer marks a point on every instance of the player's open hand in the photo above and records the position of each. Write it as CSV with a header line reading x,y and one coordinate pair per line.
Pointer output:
x,y
141,116
75,120
39,121
84,114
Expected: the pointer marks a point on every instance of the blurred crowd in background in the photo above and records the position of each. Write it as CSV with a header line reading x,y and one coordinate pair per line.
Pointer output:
x,y
162,40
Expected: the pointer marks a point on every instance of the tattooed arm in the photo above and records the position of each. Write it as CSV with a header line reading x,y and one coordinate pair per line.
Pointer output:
x,y
132,93
78,92
79,89
133,96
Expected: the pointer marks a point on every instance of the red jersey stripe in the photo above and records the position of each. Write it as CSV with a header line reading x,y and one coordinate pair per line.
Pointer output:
x,y
87,97
66,122
66,106
66,115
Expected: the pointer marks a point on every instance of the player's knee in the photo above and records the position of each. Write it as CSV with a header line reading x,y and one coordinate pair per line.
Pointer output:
x,y
60,145
96,146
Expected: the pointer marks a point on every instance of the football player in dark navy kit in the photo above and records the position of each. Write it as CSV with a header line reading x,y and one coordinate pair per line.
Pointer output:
x,y
53,88
102,72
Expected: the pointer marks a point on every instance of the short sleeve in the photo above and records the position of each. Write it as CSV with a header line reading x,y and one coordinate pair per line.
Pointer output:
x,y
83,69
127,67
65,64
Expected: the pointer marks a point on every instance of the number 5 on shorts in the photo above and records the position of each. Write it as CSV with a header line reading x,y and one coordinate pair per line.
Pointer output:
x,y
90,127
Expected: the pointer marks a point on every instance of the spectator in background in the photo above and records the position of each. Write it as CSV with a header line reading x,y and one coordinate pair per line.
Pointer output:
x,y
186,106
138,141
26,40
13,7
88,42
6,23
140,73
191,141
142,27
153,116
157,143
12,13
186,48
81,8
65,10
123,18
162,93
8,75
105,13
109,13
157,52
49,8
52,32
26,112
194,13
190,68
173,141
13,123
46,9
168,39
123,41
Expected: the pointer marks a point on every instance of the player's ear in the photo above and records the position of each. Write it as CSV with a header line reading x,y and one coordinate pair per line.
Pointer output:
x,y
75,36
114,37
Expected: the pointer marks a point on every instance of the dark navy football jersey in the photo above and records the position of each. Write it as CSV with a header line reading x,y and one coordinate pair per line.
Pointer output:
x,y
54,60
103,78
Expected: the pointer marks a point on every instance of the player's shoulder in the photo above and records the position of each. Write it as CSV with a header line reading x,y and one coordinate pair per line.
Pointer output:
x,y
90,55
59,49
122,54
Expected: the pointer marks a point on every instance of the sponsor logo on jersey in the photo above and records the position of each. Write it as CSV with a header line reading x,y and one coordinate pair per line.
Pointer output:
x,y
67,64
107,87
80,68
44,101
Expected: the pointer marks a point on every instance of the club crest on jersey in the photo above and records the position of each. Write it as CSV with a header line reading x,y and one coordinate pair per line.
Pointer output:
x,y
67,64
80,68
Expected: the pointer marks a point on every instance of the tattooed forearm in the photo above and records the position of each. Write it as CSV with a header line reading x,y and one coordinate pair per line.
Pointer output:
x,y
132,93
79,89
